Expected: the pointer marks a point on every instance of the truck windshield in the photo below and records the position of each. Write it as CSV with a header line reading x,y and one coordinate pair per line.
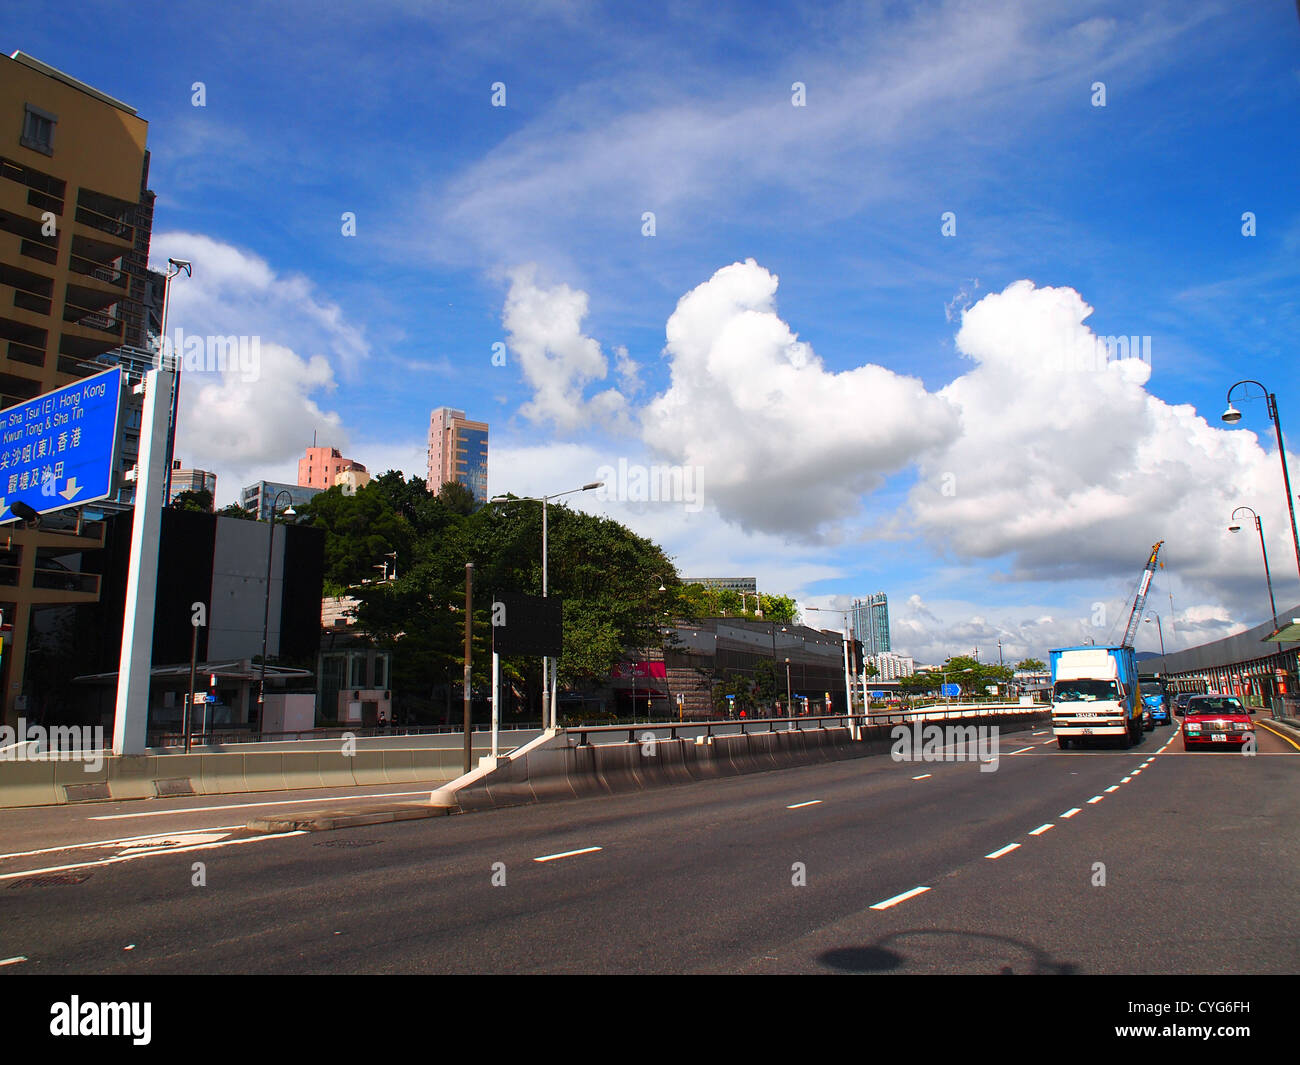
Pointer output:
x,y
1084,691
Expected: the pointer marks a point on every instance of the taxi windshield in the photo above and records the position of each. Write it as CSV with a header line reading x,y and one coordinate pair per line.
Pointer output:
x,y
1084,691
1214,704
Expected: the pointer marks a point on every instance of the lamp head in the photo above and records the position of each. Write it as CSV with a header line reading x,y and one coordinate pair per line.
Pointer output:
x,y
1235,527
1232,415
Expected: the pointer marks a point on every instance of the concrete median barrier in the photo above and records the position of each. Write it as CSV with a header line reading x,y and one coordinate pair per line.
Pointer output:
x,y
29,783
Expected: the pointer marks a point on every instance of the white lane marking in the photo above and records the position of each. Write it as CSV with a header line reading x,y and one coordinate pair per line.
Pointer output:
x,y
899,898
1095,798
14,960
1005,850
565,854
145,854
108,842
1022,750
801,805
1040,830
251,805
924,776
1127,779
1113,787
1043,733
1071,812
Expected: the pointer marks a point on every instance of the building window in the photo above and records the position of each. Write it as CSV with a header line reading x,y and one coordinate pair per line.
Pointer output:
x,y
38,130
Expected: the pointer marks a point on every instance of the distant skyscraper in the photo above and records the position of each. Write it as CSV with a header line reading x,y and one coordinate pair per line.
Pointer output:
x,y
871,623
458,451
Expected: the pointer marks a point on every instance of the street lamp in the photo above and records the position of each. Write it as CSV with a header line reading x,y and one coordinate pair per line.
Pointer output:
x,y
266,619
848,649
1232,416
174,268
1259,527
549,666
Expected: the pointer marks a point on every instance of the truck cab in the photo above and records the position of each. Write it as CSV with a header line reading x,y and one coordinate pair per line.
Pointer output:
x,y
1095,695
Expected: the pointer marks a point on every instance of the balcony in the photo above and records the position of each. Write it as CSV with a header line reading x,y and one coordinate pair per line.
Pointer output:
x,y
105,321
109,273
64,580
26,353
114,227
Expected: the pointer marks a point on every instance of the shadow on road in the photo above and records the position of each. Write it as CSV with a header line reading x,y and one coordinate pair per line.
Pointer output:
x,y
948,951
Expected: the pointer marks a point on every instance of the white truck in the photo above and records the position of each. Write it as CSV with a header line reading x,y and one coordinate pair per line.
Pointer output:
x,y
1095,695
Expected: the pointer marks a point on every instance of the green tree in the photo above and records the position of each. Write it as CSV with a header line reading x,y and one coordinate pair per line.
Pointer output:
x,y
1030,665
199,500
456,497
234,510
359,531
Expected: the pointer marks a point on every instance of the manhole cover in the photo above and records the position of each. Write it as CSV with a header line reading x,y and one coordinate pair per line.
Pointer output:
x,y
347,843
52,880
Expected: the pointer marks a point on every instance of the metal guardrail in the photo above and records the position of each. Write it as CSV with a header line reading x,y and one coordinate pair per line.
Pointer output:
x,y
159,738
798,723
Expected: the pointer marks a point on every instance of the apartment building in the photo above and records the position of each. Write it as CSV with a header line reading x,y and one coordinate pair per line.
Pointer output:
x,y
458,451
321,466
76,296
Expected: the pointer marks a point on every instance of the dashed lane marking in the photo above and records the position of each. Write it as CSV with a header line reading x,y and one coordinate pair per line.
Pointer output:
x,y
1005,850
899,898
1040,830
565,854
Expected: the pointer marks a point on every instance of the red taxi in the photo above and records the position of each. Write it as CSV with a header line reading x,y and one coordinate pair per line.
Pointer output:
x,y
1216,721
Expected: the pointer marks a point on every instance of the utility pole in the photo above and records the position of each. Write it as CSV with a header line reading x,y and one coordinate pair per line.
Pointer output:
x,y
469,632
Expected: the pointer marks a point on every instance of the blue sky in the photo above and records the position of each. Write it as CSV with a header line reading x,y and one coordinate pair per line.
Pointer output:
x,y
823,412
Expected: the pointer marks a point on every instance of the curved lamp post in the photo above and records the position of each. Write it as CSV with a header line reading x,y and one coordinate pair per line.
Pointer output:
x,y
1232,416
1259,527
266,619
174,269
549,666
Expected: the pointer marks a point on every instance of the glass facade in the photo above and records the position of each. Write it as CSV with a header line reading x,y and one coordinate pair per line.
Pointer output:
x,y
471,461
871,623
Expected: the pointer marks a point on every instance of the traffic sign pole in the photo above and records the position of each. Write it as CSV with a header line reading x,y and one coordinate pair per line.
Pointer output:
x,y
131,722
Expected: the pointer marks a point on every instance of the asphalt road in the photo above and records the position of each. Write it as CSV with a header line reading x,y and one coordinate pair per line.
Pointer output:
x,y
1199,854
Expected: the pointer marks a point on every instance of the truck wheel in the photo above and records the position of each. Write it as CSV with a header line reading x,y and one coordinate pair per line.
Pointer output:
x,y
1063,742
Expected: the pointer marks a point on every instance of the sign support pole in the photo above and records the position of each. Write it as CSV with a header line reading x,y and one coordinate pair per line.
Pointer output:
x,y
496,702
131,721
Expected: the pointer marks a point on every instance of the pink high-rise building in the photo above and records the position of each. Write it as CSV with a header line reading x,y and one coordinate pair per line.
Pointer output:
x,y
458,451
322,465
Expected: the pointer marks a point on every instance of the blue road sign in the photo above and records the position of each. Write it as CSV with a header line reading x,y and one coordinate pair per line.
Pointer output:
x,y
949,690
877,695
56,451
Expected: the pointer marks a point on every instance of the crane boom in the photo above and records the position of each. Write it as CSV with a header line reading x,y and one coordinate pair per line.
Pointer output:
x,y
1140,600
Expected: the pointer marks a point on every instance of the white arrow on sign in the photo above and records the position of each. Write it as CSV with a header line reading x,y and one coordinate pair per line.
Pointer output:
x,y
3,505
72,489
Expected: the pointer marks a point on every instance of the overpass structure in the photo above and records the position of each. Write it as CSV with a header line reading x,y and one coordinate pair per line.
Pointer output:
x,y
1259,665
